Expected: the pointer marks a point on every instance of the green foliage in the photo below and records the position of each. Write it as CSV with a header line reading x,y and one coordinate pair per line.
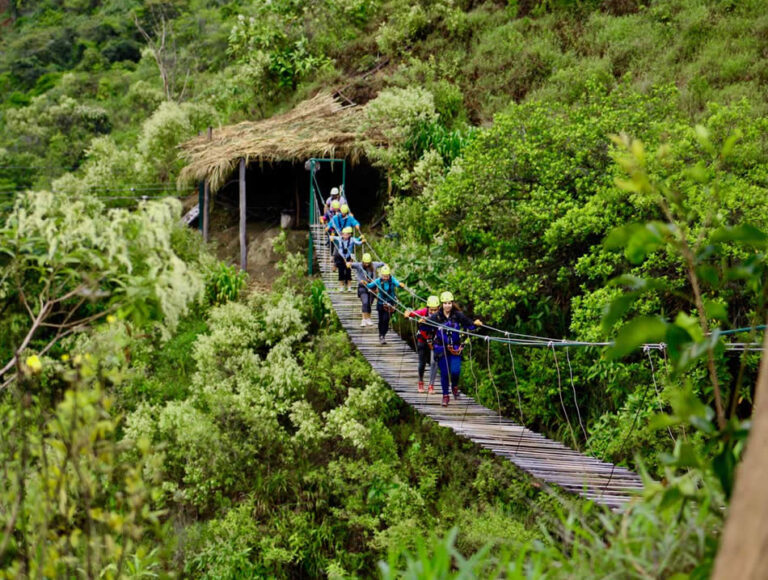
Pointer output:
x,y
224,283
69,262
168,126
74,498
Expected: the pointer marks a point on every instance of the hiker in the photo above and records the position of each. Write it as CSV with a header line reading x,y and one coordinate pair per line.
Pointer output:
x,y
385,286
336,195
425,335
331,211
344,254
448,343
365,272
342,220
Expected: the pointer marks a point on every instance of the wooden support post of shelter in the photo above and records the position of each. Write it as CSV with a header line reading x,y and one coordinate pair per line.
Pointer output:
x,y
206,197
243,239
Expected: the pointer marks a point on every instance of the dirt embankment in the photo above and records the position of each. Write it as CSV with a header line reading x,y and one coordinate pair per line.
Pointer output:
x,y
261,262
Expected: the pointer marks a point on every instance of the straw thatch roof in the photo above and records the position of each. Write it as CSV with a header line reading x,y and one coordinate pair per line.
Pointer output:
x,y
319,127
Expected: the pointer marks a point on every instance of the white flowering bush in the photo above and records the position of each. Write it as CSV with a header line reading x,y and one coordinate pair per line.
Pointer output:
x,y
71,258
108,171
360,416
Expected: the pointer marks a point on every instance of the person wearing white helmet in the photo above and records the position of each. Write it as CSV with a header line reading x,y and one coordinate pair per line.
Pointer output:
x,y
336,195
385,287
345,253
365,271
448,343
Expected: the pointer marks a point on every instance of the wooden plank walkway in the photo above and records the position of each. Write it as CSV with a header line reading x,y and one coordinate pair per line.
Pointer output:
x,y
544,459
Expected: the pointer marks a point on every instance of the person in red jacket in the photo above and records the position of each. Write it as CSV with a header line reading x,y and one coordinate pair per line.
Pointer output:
x,y
424,337
448,343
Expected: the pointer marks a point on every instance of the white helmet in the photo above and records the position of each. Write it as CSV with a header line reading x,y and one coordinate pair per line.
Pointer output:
x,y
335,191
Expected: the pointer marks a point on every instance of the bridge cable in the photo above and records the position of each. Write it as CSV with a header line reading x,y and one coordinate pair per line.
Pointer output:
x,y
519,400
626,438
575,401
562,402
490,375
656,388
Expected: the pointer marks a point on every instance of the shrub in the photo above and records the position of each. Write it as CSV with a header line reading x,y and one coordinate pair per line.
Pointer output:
x,y
168,126
224,283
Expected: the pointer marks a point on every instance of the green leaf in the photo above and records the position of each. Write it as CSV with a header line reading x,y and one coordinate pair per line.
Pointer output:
x,y
635,334
616,308
716,310
730,142
645,240
709,274
690,324
744,233
724,466
619,237
686,455
671,498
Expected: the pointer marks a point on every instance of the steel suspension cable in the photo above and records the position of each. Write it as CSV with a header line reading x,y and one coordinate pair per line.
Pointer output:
x,y
575,401
562,401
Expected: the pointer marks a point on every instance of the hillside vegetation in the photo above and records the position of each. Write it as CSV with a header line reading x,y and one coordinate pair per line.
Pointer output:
x,y
592,171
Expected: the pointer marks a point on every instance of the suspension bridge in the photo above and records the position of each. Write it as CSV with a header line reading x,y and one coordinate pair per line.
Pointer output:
x,y
548,461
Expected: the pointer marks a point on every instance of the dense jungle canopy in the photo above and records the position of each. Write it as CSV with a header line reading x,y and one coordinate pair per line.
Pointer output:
x,y
593,171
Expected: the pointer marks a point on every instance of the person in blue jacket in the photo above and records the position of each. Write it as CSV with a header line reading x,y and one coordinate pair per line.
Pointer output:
x,y
448,343
342,220
386,296
344,255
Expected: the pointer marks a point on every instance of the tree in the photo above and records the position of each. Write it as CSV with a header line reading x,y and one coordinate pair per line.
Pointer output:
x,y
69,262
742,551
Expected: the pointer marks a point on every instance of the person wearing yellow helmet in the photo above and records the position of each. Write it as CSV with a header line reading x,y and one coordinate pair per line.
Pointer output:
x,y
448,343
343,219
344,253
332,209
365,270
424,337
386,295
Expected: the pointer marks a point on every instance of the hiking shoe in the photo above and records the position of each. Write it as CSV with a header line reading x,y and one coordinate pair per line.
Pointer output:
x,y
455,392
431,390
446,400
362,322
382,340
421,386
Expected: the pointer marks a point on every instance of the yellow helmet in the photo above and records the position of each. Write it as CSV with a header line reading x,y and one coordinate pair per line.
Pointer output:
x,y
367,258
433,302
335,204
345,208
347,230
446,297
384,270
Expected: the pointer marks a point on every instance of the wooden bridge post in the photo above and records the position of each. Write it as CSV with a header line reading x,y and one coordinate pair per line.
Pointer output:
x,y
243,239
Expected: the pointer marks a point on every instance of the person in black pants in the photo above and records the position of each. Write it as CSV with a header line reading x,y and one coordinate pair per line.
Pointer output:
x,y
345,253
385,286
425,335
365,272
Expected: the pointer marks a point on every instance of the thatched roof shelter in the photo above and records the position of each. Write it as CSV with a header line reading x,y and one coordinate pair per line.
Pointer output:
x,y
322,126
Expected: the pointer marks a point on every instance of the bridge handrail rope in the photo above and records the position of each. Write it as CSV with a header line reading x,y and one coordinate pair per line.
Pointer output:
x,y
533,340
597,484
